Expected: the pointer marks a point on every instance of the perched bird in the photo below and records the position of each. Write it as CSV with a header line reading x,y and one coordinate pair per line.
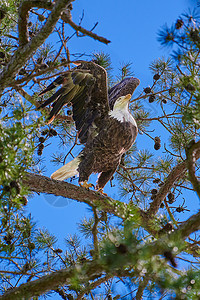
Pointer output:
x,y
102,118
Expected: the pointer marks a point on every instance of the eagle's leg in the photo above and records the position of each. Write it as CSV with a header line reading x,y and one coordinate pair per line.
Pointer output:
x,y
100,190
85,170
103,179
86,185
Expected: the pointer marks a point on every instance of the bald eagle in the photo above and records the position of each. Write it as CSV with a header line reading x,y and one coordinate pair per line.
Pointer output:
x,y
102,118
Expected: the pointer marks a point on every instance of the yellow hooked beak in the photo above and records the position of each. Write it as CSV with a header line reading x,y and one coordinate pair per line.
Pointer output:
x,y
122,102
127,97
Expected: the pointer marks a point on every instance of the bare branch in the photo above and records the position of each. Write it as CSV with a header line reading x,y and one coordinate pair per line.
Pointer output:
x,y
78,28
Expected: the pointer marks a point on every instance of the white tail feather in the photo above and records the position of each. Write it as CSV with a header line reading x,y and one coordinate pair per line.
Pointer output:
x,y
67,171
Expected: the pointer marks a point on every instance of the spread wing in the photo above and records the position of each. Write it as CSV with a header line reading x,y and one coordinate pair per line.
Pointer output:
x,y
85,87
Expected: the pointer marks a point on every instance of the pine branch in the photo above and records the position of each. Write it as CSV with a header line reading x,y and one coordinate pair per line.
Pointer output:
x,y
94,269
191,159
23,33
92,286
189,226
23,93
23,53
52,281
43,184
176,174
26,49
24,8
29,77
61,293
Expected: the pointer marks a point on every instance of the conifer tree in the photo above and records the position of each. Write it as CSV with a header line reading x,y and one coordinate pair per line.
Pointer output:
x,y
135,240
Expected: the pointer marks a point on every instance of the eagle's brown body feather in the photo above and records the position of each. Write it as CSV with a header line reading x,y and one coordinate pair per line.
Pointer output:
x,y
107,130
103,153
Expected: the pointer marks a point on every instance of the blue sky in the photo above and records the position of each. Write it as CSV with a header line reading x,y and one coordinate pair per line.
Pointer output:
x,y
132,27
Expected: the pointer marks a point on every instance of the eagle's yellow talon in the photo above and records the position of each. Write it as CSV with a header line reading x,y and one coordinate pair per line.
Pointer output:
x,y
86,185
100,190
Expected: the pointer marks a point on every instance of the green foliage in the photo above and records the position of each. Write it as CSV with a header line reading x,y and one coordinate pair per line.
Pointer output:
x,y
18,245
16,157
125,71
191,116
103,59
124,248
161,66
180,137
186,286
143,157
141,116
8,15
45,240
164,164
86,226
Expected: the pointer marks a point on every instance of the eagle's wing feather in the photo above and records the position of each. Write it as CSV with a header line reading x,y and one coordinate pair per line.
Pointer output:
x,y
53,98
85,87
90,108
58,81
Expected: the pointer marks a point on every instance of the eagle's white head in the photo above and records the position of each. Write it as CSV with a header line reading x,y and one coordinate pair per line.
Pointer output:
x,y
120,110
121,103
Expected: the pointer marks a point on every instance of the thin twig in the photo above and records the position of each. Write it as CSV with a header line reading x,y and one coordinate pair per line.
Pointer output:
x,y
95,233
142,285
84,31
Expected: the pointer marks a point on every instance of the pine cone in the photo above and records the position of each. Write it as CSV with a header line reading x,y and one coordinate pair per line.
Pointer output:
x,y
147,90
179,23
157,146
151,98
156,76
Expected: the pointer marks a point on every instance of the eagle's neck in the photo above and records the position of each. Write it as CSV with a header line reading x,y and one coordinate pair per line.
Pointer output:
x,y
122,114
